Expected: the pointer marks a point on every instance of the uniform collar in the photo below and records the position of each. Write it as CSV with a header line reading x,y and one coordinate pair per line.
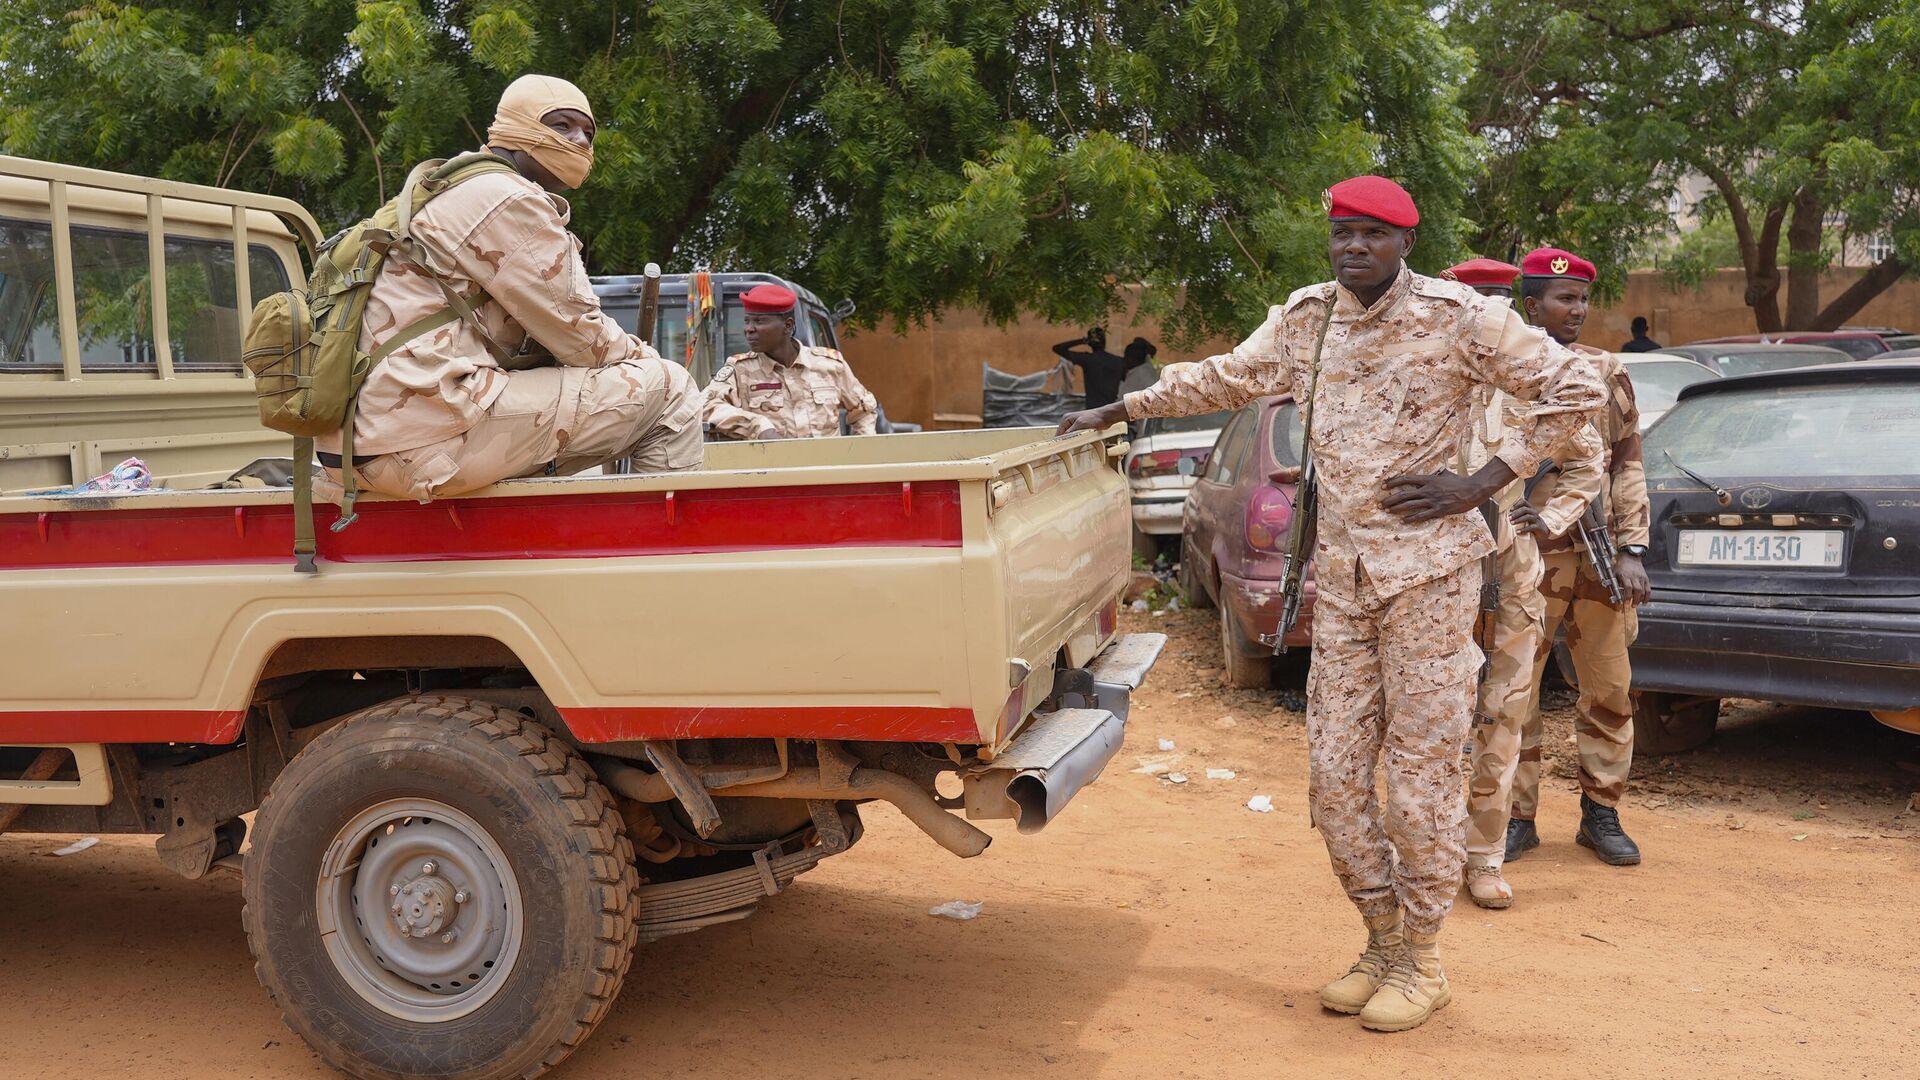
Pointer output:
x,y
1347,306
805,359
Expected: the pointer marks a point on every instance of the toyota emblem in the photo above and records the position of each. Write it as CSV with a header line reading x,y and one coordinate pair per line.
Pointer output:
x,y
1755,498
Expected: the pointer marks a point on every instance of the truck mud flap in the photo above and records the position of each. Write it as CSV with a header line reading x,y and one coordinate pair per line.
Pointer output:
x,y
1034,778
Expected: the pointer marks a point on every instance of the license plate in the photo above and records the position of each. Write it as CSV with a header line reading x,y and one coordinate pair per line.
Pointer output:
x,y
1814,548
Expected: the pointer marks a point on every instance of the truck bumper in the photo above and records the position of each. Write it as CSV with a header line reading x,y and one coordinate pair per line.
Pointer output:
x,y
1162,516
1838,659
1059,753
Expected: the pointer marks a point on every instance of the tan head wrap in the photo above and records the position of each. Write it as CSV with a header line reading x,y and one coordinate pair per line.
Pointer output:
x,y
517,126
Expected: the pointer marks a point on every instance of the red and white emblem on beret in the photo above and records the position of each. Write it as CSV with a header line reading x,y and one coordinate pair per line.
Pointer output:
x,y
1559,266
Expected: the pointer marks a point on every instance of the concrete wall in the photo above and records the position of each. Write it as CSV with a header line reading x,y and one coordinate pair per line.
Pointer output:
x,y
931,375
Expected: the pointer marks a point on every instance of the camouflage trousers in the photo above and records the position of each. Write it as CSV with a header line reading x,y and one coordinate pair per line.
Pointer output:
x,y
568,419
1597,638
1506,701
1393,677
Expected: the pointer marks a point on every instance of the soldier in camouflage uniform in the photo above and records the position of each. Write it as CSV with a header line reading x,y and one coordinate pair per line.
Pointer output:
x,y
440,415
1398,559
783,389
1555,286
1503,708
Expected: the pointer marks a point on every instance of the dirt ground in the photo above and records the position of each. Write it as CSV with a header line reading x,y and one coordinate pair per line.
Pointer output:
x,y
1155,930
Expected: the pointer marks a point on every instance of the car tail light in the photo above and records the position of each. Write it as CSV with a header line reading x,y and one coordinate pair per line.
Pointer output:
x,y
1167,463
1269,513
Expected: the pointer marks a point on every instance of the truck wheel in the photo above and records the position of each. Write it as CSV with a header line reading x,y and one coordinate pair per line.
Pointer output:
x,y
1672,723
1242,673
439,887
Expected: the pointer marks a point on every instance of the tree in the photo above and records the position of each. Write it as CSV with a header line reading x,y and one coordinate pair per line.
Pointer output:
x,y
1800,115
1003,154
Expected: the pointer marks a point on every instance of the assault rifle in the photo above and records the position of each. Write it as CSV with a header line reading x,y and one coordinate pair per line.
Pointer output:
x,y
1302,531
1595,537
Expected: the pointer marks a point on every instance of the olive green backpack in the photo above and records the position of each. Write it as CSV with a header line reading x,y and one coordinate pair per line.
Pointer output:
x,y
303,347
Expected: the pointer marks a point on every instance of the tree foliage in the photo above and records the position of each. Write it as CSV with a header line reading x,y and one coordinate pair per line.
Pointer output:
x,y
1010,155
1803,117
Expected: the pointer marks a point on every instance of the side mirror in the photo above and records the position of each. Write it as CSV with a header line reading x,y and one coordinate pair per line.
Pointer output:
x,y
842,311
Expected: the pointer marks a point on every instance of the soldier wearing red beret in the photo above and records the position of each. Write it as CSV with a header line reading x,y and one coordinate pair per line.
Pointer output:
x,y
783,389
1555,287
1388,362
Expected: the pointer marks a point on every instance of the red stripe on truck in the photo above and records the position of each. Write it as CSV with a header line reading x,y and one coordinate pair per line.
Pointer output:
x,y
593,725
574,526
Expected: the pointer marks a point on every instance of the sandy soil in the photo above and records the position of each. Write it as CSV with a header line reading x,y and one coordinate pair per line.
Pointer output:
x,y
1156,930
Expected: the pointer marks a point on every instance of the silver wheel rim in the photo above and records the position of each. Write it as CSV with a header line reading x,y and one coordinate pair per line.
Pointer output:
x,y
419,910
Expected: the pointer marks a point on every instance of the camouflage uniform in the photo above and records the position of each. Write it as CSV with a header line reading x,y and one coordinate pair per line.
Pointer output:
x,y
1393,657
1505,702
753,396
440,416
1597,632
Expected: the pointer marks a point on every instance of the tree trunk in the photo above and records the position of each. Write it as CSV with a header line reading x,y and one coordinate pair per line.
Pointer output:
x,y
1803,260
1871,284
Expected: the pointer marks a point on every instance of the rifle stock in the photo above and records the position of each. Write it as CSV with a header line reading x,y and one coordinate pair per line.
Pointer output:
x,y
1302,531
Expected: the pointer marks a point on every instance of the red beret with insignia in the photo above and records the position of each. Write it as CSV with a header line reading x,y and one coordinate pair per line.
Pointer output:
x,y
1373,197
1482,273
768,300
1556,263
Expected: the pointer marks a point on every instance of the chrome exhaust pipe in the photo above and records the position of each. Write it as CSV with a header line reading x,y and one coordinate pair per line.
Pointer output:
x,y
1045,767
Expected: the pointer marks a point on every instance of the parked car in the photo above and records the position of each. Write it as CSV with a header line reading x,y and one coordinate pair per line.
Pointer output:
x,y
1785,549
1161,465
1658,379
1901,354
1744,358
1899,343
1236,536
1859,344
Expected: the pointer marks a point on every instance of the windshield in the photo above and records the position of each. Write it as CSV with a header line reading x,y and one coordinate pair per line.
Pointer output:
x,y
1860,348
1657,383
1165,425
1849,430
1737,363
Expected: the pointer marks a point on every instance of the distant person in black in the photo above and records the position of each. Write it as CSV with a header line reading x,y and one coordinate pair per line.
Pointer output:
x,y
1641,342
1101,370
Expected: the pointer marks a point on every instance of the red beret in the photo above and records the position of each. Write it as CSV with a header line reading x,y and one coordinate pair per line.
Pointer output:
x,y
1555,263
768,300
1373,197
1485,273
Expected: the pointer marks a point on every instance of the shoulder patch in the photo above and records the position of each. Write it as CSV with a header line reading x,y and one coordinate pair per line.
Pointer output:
x,y
1437,289
739,356
831,354
725,372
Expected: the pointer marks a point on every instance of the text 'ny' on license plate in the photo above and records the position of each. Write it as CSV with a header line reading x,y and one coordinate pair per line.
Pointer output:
x,y
1819,548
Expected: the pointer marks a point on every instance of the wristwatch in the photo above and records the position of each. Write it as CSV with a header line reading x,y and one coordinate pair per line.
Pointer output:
x,y
1635,550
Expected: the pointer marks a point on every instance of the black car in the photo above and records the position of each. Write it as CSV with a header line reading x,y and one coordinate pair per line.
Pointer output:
x,y
1785,555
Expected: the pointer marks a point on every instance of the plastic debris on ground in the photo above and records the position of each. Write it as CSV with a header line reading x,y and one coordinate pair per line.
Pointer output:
x,y
1220,774
1261,804
1158,764
1166,744
77,846
1176,778
130,475
958,909
1137,605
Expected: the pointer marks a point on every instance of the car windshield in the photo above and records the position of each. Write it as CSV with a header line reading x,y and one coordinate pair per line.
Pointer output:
x,y
1739,363
1287,418
1860,348
1167,425
1656,383
1851,429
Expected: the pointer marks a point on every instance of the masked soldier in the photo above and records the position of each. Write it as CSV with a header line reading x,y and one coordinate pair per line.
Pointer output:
x,y
1504,706
440,415
1388,362
783,389
1554,287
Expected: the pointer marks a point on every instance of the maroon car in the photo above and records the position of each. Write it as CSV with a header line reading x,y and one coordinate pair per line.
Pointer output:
x,y
1236,535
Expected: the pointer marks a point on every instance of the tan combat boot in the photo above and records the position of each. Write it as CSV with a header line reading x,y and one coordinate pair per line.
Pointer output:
x,y
1350,993
1487,887
1414,989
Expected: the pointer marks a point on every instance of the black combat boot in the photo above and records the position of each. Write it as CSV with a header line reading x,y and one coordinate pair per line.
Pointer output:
x,y
1522,837
1600,830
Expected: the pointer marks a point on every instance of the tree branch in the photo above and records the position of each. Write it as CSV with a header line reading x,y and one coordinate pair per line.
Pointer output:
x,y
1875,281
373,146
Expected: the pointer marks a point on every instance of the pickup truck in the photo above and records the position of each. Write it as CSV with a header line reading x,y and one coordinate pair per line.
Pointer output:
x,y
497,741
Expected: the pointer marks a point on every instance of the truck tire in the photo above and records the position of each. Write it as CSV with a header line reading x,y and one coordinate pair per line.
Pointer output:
x,y
1672,723
1243,673
439,887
